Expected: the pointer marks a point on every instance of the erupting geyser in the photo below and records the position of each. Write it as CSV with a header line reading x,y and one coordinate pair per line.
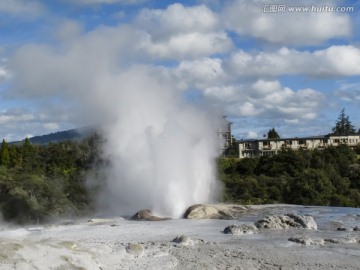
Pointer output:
x,y
162,150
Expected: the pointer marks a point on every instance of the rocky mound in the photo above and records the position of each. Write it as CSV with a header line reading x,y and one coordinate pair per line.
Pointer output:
x,y
241,229
286,221
274,222
201,211
146,214
184,240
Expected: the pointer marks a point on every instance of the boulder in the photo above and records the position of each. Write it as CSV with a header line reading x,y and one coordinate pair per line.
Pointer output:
x,y
241,229
183,240
355,229
201,211
287,221
146,214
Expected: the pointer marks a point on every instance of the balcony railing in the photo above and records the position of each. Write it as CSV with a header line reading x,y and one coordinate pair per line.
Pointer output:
x,y
323,145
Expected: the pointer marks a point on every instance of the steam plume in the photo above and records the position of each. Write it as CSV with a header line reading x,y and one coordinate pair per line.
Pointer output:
x,y
162,150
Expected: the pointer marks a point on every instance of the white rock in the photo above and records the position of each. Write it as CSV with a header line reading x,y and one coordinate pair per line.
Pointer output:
x,y
287,221
241,229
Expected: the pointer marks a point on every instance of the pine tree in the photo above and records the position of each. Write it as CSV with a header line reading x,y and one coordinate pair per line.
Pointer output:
x,y
272,134
4,154
343,125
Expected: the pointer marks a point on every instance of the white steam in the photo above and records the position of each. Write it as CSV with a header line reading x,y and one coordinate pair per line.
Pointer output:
x,y
162,150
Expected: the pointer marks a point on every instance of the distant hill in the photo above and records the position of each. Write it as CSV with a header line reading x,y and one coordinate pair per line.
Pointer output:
x,y
61,136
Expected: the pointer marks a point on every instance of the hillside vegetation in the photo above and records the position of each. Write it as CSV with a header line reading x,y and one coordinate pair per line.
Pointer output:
x,y
41,181
319,177
38,181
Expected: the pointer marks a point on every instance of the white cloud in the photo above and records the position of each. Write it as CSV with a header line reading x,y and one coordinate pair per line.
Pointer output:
x,y
7,118
252,135
32,8
268,100
51,126
201,73
333,61
181,32
295,28
187,45
349,92
177,19
19,123
100,2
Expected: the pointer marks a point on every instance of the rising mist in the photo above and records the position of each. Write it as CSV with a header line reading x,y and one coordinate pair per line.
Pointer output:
x,y
162,150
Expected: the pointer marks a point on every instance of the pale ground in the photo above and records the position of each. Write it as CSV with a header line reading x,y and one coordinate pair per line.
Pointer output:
x,y
101,244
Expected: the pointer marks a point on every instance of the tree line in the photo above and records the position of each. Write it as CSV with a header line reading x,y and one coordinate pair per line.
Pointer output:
x,y
328,177
40,181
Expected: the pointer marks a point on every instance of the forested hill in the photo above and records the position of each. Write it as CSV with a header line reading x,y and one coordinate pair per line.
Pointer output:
x,y
60,136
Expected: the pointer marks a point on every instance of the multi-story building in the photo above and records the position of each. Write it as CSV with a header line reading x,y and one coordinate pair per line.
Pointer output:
x,y
269,147
225,136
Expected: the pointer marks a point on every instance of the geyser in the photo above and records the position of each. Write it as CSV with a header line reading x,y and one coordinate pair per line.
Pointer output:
x,y
162,150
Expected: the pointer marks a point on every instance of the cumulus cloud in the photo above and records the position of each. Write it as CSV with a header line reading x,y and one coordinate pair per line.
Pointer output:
x,y
187,45
304,28
6,117
31,8
177,19
19,122
349,92
333,61
99,2
200,73
267,99
179,32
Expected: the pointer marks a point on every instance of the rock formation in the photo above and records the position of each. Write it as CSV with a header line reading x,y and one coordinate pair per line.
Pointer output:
x,y
307,241
241,229
200,211
286,221
146,214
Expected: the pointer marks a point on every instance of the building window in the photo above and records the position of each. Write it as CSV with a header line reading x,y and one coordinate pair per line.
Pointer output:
x,y
266,143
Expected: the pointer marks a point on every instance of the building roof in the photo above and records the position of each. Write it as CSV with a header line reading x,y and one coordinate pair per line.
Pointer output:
x,y
318,137
286,139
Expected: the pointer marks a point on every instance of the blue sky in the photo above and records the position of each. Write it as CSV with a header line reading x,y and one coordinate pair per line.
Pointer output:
x,y
292,71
